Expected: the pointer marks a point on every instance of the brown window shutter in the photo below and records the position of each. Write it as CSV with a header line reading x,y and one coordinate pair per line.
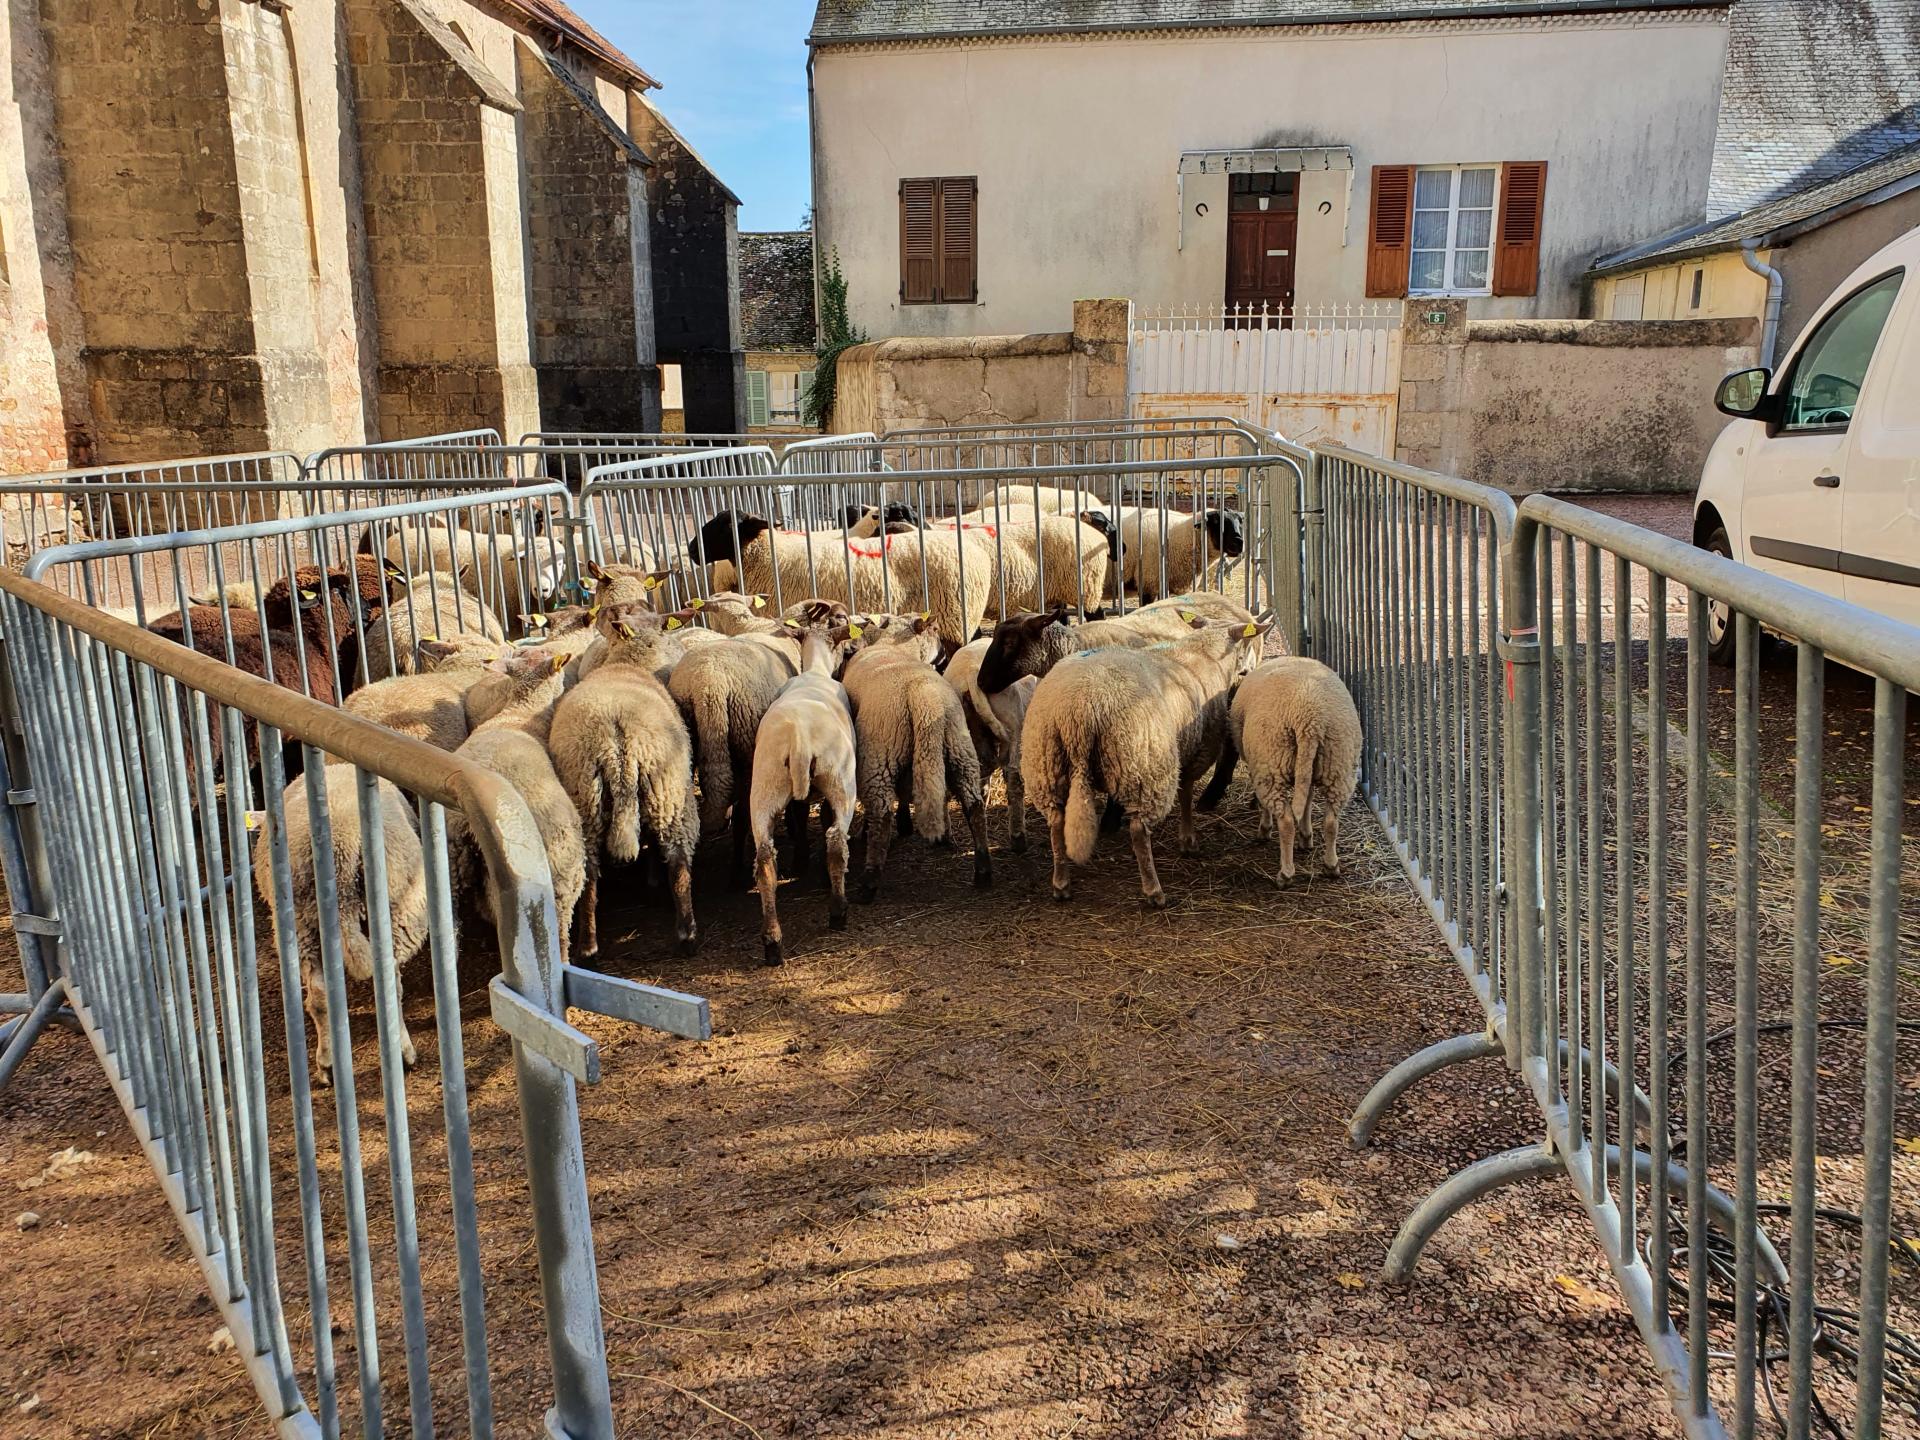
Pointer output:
x,y
1516,249
1390,231
957,240
917,229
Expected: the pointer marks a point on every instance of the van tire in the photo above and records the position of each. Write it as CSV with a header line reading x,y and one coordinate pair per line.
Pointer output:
x,y
1721,631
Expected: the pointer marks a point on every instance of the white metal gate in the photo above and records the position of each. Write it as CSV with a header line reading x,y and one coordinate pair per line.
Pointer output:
x,y
1316,374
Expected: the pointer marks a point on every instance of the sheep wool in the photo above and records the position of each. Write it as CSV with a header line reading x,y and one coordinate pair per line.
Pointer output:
x,y
1193,546
406,893
1297,728
995,722
1136,725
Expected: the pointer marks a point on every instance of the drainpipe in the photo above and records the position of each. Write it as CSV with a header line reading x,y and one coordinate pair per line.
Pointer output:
x,y
1776,282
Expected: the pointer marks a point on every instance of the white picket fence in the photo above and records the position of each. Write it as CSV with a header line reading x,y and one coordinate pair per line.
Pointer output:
x,y
1324,373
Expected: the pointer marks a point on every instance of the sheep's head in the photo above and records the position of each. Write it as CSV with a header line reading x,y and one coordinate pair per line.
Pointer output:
x,y
715,540
814,612
1238,642
898,512
1226,533
1021,646
853,517
530,665
728,611
459,652
915,635
1103,522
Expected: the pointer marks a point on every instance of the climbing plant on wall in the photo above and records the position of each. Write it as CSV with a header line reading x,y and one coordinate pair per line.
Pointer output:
x,y
836,334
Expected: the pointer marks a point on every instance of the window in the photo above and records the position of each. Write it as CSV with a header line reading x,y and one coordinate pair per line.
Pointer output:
x,y
757,405
1699,286
1452,231
938,241
1456,229
787,395
1832,365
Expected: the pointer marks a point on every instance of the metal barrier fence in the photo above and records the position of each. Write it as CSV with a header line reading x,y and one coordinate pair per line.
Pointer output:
x,y
152,862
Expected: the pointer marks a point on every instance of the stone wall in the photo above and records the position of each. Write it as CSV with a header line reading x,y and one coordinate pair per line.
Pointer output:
x,y
1564,405
696,274
912,383
591,295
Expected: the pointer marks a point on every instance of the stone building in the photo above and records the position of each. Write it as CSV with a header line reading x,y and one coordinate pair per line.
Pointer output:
x,y
231,225
776,317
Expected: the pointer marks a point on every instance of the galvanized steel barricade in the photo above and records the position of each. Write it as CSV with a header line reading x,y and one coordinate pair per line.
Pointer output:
x,y
1679,969
149,854
579,452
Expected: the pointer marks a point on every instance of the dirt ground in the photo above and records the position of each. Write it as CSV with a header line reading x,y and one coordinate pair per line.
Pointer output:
x,y
982,1165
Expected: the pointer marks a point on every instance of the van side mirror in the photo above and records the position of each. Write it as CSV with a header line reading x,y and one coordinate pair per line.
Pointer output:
x,y
1744,396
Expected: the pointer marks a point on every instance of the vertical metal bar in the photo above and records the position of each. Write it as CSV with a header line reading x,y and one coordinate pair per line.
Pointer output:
x,y
1699,1143
1570,788
1549,825
1809,762
1889,739
1658,976
1595,1026
1626,980
1746,985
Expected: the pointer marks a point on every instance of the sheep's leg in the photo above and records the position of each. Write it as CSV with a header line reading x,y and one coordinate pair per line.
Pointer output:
x,y
837,870
742,874
1330,839
681,869
902,812
1283,830
316,989
879,841
1143,853
767,876
1216,790
1188,845
408,1055
589,915
1062,873
1016,809
982,860
1265,826
797,848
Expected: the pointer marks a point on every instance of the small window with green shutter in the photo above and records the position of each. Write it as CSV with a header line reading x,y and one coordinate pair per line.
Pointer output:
x,y
757,408
805,389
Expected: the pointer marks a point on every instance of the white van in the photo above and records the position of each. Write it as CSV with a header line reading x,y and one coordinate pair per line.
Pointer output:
x,y
1818,478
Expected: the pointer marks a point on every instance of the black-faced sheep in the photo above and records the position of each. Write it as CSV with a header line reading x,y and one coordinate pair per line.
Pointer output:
x,y
1033,644
995,722
1193,544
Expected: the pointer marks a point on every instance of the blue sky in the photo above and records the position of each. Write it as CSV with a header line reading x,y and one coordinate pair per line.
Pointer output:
x,y
733,76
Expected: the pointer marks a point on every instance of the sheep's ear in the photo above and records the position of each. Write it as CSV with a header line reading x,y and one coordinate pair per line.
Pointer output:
x,y
558,664
627,630
1194,620
1254,629
597,571
922,622
394,571
855,630
655,579
536,621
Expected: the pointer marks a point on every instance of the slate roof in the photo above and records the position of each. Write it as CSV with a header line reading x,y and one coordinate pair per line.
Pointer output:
x,y
1800,211
846,21
776,289
1813,89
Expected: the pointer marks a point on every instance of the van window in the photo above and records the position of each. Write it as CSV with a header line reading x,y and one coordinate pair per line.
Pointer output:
x,y
1832,365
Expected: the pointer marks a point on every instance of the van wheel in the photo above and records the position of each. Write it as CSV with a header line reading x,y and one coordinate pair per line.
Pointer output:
x,y
1720,627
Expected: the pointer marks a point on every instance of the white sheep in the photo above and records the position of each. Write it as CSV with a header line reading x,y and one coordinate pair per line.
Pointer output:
x,y
1299,732
950,573
995,723
1138,726
804,751
1033,644
431,607
431,704
406,894
622,752
1194,545
512,742
911,734
1043,558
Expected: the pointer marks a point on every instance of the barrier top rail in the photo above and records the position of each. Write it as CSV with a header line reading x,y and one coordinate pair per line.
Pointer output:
x,y
1847,632
653,472
100,476
1134,424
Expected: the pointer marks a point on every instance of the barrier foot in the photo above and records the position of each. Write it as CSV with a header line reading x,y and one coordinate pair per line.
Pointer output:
x,y
29,1028
1459,1190
1455,1050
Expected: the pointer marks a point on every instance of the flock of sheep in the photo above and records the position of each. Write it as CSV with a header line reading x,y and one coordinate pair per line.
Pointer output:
x,y
626,725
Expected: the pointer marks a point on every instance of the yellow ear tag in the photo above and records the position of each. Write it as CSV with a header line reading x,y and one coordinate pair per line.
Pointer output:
x,y
559,664
651,583
791,624
926,614
430,639
627,630
536,621
759,602
693,604
1251,630
673,623
1188,616
309,595
855,631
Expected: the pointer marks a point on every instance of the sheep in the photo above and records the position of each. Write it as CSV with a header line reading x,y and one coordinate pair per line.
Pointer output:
x,y
994,722
1297,727
857,522
431,704
1193,543
1074,547
910,729
1137,725
428,607
406,894
622,753
494,569
1033,644
805,748
886,570
512,742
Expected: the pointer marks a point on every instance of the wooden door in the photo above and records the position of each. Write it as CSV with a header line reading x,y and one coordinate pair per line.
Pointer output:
x,y
1260,242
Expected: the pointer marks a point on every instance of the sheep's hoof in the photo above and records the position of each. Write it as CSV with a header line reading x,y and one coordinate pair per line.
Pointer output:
x,y
1156,901
837,921
689,944
1209,801
1190,847
1019,843
1063,892
409,1057
983,877
868,892
771,953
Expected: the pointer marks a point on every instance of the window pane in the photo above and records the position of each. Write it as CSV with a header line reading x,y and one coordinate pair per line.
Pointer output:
x,y
1432,189
1831,369
1430,229
1470,270
1476,189
1429,270
1475,231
